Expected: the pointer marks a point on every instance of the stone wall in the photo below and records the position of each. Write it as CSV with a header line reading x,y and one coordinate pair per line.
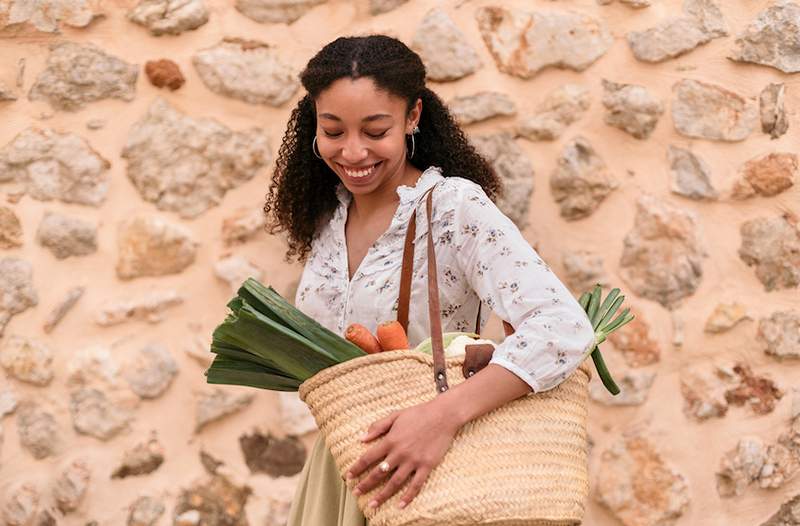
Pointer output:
x,y
647,144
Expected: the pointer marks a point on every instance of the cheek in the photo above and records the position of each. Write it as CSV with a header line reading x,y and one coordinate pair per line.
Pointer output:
x,y
390,147
326,146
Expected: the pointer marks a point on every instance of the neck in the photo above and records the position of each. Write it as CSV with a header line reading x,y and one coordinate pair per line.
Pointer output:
x,y
384,196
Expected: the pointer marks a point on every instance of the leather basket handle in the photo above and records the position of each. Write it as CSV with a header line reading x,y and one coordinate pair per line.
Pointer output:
x,y
434,309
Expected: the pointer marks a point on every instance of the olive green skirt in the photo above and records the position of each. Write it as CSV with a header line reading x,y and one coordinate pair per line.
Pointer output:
x,y
321,497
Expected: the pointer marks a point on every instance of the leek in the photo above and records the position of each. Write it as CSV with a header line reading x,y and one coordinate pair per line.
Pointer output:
x,y
266,342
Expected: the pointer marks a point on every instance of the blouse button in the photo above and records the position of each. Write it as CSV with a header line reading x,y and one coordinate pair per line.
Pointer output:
x,y
440,376
443,388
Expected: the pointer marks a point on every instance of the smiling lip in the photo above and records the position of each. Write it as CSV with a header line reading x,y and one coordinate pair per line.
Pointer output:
x,y
355,168
365,173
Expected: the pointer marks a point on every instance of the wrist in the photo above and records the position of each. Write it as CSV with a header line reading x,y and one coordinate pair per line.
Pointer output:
x,y
453,411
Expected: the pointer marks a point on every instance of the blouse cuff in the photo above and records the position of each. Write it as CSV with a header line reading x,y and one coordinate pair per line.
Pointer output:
x,y
514,368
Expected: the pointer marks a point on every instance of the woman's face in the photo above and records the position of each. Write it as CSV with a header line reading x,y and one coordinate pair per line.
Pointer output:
x,y
361,134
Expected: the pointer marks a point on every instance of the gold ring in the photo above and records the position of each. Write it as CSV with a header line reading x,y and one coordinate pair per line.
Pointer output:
x,y
384,466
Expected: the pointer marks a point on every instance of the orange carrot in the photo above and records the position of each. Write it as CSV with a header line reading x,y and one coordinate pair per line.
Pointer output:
x,y
391,336
360,335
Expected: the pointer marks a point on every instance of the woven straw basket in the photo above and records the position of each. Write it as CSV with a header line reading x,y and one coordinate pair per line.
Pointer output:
x,y
522,464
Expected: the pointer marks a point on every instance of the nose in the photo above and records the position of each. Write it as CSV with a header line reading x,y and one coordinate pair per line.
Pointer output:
x,y
353,151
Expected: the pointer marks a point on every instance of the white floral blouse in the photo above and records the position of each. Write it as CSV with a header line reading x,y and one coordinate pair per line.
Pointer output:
x,y
479,252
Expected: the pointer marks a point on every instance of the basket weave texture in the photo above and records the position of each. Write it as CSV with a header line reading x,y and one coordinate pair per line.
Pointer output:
x,y
522,464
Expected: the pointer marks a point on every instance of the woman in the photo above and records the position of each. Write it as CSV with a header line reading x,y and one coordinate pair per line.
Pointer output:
x,y
361,149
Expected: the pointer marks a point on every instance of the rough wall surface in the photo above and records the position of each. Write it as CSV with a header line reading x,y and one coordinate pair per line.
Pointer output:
x,y
651,145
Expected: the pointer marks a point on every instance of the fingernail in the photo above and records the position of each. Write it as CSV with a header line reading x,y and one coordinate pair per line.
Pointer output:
x,y
401,504
364,435
349,475
356,492
373,504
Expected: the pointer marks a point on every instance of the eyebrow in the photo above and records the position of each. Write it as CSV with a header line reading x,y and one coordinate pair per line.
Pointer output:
x,y
370,118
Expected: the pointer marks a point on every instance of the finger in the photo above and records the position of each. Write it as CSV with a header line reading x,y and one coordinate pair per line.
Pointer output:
x,y
393,485
376,476
379,427
414,487
372,456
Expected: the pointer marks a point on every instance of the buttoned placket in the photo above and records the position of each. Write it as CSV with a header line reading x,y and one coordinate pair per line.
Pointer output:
x,y
408,196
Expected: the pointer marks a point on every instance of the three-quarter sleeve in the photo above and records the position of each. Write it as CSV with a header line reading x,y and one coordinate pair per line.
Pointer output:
x,y
552,334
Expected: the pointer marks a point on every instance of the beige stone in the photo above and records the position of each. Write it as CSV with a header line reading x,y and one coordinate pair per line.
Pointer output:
x,y
690,175
662,258
18,17
71,485
708,111
244,225
186,165
631,108
634,340
725,317
50,165
523,42
771,244
78,74
443,48
701,21
773,110
481,106
27,360
560,108
581,180
771,39
151,246
246,70
275,11
169,17
638,485
515,171
10,229
17,289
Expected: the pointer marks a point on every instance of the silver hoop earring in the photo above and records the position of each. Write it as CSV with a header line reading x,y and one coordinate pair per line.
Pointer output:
x,y
315,148
413,142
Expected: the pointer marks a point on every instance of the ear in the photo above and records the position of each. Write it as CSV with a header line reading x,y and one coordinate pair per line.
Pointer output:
x,y
414,116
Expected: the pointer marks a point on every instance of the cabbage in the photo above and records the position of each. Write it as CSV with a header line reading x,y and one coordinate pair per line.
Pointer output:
x,y
454,343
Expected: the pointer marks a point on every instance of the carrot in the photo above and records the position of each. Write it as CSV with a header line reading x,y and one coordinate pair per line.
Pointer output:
x,y
391,336
360,335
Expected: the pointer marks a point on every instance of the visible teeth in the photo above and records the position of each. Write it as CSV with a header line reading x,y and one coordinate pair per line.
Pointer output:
x,y
360,173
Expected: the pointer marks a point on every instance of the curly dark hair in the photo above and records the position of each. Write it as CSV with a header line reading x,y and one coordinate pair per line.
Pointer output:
x,y
303,189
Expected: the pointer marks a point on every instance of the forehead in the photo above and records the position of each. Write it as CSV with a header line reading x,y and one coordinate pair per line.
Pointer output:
x,y
355,99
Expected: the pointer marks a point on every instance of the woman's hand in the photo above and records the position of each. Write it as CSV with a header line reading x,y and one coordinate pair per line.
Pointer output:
x,y
416,441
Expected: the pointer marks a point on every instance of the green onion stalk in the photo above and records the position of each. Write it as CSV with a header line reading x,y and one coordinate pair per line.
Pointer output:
x,y
601,314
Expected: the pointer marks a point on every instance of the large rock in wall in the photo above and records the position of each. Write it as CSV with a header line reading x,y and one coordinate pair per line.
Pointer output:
x,y
650,146
186,165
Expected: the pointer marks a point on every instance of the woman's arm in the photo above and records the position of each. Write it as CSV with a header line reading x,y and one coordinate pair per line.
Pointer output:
x,y
490,388
553,334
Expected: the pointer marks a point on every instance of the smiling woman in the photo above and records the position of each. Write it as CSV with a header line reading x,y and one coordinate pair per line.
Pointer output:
x,y
366,95
362,150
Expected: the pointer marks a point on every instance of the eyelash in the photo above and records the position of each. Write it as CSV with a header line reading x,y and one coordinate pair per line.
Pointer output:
x,y
380,135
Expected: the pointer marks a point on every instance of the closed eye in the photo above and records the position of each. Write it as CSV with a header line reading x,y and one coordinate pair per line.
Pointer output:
x,y
370,135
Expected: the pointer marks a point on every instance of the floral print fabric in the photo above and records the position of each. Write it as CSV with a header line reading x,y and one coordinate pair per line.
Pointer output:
x,y
481,256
